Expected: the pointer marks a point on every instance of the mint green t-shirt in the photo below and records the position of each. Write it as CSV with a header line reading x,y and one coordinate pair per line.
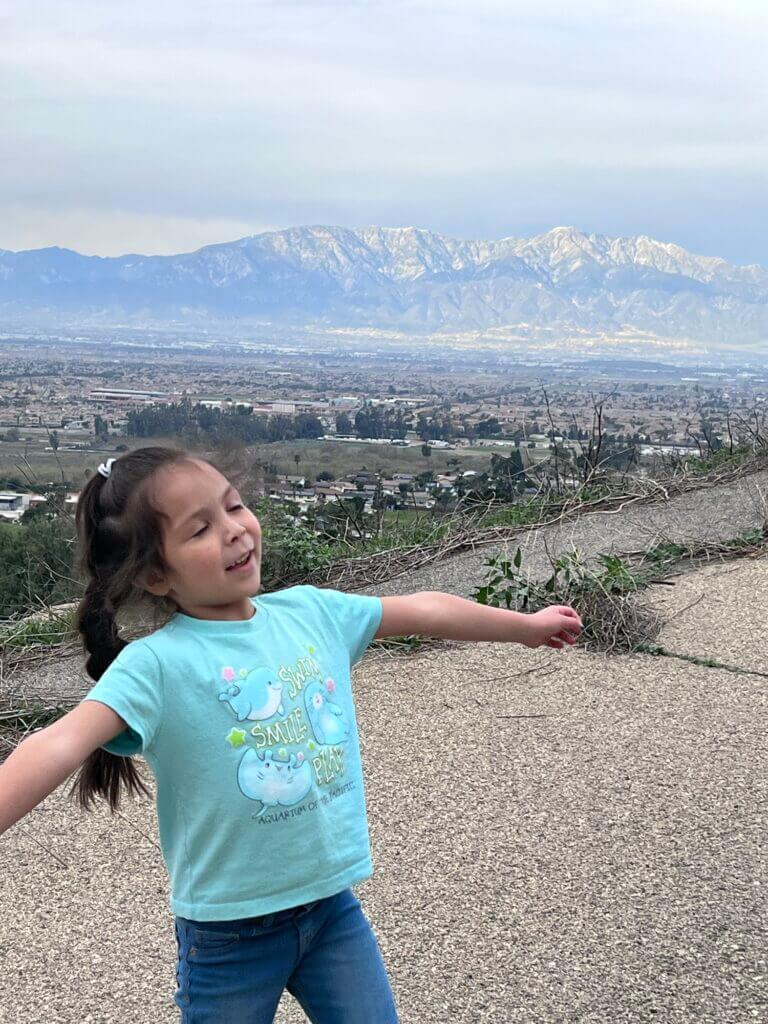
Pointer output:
x,y
249,729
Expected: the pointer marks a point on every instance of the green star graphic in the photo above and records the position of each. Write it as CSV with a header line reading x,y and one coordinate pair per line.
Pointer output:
x,y
311,745
236,737
311,649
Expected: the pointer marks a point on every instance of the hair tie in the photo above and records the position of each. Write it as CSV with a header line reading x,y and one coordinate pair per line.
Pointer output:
x,y
106,467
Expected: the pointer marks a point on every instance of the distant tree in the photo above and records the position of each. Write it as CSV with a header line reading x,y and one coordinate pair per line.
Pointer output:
x,y
369,421
344,424
439,428
395,423
488,427
279,427
308,426
377,501
713,442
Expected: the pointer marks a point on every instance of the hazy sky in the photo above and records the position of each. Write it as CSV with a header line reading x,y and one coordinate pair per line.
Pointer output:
x,y
160,127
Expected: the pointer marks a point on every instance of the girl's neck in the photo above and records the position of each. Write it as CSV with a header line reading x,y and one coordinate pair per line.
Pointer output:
x,y
238,612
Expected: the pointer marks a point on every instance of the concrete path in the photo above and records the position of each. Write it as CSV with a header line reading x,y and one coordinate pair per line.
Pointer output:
x,y
558,837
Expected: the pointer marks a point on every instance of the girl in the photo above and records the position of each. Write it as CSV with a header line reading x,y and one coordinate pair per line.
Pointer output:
x,y
242,707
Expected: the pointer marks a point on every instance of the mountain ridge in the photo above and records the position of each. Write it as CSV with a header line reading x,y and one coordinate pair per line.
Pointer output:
x,y
409,279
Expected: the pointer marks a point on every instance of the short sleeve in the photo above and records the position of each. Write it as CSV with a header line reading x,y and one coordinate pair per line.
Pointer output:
x,y
133,687
356,617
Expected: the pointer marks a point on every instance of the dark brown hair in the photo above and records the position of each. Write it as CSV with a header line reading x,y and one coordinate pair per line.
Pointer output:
x,y
120,539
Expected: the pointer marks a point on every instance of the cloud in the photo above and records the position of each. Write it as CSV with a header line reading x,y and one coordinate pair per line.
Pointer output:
x,y
281,112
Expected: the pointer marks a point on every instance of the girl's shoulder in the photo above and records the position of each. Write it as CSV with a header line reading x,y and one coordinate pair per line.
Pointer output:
x,y
327,603
300,594
304,600
306,595
145,654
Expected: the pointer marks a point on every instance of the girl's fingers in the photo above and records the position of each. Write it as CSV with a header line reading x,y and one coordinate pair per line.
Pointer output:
x,y
569,632
569,612
573,627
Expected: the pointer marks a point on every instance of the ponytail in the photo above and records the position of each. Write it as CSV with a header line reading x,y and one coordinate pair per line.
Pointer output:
x,y
119,535
102,773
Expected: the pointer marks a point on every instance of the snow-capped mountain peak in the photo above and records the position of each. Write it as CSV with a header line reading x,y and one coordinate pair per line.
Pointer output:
x,y
410,279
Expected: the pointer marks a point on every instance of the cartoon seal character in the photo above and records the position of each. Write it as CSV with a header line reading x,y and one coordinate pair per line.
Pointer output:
x,y
261,777
326,718
256,697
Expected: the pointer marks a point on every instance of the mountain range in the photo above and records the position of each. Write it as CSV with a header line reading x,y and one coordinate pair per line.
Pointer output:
x,y
409,280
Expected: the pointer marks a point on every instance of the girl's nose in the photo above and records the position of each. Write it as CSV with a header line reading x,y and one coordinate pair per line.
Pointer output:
x,y
236,530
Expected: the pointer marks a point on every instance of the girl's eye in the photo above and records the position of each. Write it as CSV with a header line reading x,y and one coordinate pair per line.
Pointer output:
x,y
204,528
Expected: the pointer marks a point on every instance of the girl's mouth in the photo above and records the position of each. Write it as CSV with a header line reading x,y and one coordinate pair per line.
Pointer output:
x,y
244,563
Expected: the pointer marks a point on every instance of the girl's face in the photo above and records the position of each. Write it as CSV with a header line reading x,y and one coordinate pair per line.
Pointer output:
x,y
206,529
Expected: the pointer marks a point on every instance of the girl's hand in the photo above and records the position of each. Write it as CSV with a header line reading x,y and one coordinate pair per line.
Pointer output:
x,y
555,626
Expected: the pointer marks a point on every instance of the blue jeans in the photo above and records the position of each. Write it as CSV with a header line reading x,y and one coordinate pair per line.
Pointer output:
x,y
324,953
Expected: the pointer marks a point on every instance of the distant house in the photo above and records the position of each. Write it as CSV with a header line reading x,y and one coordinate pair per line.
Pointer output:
x,y
418,500
365,477
335,490
11,506
10,501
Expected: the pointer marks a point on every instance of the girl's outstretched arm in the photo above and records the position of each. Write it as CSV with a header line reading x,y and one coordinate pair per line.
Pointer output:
x,y
45,759
432,613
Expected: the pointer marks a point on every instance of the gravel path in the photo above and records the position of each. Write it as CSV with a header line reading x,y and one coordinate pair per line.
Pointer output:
x,y
719,612
558,836
713,514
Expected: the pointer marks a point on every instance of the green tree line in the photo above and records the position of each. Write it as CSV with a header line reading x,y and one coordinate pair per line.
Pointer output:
x,y
200,422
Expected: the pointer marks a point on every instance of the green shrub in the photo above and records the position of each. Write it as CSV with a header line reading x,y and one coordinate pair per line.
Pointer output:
x,y
35,565
290,551
605,597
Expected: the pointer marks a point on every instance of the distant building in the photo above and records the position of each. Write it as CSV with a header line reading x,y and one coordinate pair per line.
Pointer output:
x,y
13,504
117,395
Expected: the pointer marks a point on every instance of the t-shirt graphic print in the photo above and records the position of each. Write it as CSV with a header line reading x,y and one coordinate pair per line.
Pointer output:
x,y
291,707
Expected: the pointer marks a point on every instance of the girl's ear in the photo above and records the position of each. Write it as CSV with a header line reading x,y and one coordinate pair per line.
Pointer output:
x,y
154,582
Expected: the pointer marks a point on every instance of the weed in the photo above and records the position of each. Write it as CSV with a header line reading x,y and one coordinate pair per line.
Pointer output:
x,y
659,651
49,629
605,597
400,644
